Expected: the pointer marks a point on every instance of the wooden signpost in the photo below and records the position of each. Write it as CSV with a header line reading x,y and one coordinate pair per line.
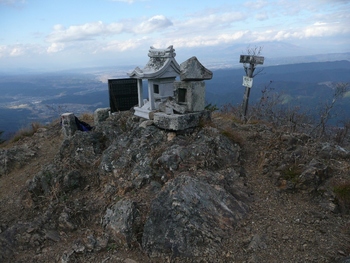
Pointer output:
x,y
249,64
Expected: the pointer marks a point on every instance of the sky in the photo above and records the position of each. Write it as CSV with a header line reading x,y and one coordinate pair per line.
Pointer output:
x,y
65,34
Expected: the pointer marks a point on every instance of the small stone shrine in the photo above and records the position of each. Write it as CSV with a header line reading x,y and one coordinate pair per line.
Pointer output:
x,y
187,107
161,72
173,105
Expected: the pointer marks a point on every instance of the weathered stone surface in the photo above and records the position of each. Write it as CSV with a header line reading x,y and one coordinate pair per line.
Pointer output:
x,y
179,122
100,115
170,103
15,157
146,123
69,126
191,94
329,150
257,242
314,174
207,152
192,69
121,221
189,218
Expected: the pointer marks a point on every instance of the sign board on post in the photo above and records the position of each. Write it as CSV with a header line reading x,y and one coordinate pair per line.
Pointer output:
x,y
247,82
251,59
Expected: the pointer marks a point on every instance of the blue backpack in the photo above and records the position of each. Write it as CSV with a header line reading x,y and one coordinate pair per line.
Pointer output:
x,y
82,126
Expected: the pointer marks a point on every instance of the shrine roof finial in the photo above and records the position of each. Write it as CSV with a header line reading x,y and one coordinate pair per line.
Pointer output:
x,y
162,53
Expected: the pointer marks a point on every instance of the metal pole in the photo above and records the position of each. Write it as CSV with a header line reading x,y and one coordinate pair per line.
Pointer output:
x,y
247,93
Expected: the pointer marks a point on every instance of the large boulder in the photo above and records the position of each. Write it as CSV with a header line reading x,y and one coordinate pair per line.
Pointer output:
x,y
189,218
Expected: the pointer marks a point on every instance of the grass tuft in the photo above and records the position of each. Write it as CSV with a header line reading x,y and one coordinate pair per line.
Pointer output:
x,y
233,136
26,132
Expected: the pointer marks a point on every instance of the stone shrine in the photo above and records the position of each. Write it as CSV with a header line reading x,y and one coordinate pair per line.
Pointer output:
x,y
173,105
161,72
187,107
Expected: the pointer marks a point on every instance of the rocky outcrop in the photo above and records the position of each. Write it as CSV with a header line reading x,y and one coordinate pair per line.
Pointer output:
x,y
190,218
128,189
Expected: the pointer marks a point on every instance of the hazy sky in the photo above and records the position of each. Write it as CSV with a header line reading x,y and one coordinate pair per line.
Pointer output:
x,y
54,34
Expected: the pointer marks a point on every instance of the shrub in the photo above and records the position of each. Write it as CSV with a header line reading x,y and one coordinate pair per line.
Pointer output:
x,y
1,140
292,173
341,189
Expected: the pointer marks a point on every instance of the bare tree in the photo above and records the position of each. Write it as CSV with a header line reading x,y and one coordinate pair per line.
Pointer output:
x,y
252,51
339,90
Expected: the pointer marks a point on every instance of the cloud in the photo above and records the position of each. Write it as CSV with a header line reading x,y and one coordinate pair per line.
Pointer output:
x,y
12,2
55,47
86,31
261,16
211,20
94,30
3,51
12,50
316,30
120,46
201,40
256,4
153,24
17,50
125,1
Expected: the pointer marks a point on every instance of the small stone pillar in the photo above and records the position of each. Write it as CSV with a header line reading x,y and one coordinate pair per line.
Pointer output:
x,y
100,115
69,125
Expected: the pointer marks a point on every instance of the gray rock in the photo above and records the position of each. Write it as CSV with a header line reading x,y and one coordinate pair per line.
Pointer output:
x,y
73,180
67,256
100,115
329,151
69,126
179,122
257,242
146,123
210,150
345,260
121,221
170,103
314,174
65,221
190,218
15,157
52,235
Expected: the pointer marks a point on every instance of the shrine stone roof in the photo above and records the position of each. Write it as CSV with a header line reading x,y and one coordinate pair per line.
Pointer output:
x,y
193,70
162,64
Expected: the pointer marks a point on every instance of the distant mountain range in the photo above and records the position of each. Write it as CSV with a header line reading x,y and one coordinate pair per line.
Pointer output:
x,y
44,96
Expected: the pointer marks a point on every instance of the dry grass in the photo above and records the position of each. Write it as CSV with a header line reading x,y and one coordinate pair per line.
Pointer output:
x,y
87,117
26,132
233,135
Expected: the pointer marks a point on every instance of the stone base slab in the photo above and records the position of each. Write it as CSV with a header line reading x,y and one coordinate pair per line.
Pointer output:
x,y
178,122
